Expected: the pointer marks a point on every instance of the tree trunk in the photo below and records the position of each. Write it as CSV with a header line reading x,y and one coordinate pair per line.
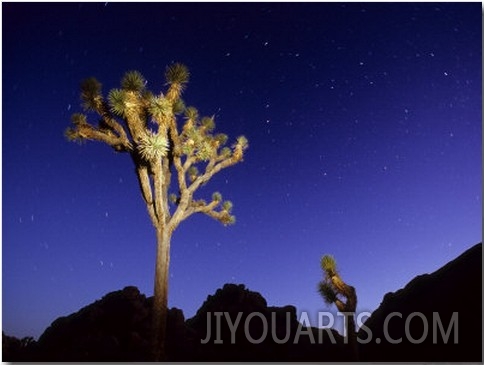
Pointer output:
x,y
349,307
352,337
160,303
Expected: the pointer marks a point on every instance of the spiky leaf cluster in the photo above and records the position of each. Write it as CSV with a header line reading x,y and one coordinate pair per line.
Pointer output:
x,y
197,139
153,146
227,206
133,81
328,264
91,94
217,196
240,146
126,103
193,173
173,198
177,76
227,219
178,106
225,213
326,290
191,113
160,108
325,287
116,99
78,119
74,134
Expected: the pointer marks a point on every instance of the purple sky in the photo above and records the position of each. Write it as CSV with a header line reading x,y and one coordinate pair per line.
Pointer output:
x,y
364,125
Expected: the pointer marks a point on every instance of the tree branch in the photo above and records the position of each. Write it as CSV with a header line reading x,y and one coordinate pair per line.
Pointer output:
x,y
87,131
190,160
166,180
340,305
179,214
103,111
186,206
144,181
200,206
158,183
216,167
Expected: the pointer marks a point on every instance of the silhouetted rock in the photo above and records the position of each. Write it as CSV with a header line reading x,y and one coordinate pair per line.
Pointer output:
x,y
451,296
114,328
117,327
259,332
18,350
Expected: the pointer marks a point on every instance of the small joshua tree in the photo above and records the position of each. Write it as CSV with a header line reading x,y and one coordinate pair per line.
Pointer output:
x,y
146,126
335,291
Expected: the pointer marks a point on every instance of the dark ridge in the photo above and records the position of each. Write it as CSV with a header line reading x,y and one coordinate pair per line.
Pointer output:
x,y
117,327
452,296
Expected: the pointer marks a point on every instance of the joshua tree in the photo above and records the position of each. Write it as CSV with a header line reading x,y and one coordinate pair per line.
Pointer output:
x,y
146,126
334,290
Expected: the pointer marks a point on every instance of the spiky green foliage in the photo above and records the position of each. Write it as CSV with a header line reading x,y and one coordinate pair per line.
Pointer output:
x,y
217,196
226,152
73,135
221,139
227,206
153,147
78,118
178,106
326,291
208,124
173,198
205,150
91,94
193,173
242,141
177,77
191,113
228,220
116,99
328,264
198,141
160,108
177,74
133,81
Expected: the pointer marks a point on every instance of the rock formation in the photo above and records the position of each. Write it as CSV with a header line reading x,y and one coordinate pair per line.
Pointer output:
x,y
452,296
117,327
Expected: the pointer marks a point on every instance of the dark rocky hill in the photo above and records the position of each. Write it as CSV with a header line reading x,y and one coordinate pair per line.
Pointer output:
x,y
263,333
446,304
117,327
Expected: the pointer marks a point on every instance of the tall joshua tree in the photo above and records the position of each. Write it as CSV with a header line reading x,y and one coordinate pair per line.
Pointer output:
x,y
335,291
147,127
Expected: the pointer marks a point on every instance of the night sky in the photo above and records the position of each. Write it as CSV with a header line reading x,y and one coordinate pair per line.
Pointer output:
x,y
364,129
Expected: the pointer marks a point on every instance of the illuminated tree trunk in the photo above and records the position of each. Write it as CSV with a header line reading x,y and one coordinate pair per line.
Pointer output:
x,y
161,180
349,308
160,302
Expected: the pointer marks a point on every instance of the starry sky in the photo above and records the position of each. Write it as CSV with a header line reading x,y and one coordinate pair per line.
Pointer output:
x,y
364,125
